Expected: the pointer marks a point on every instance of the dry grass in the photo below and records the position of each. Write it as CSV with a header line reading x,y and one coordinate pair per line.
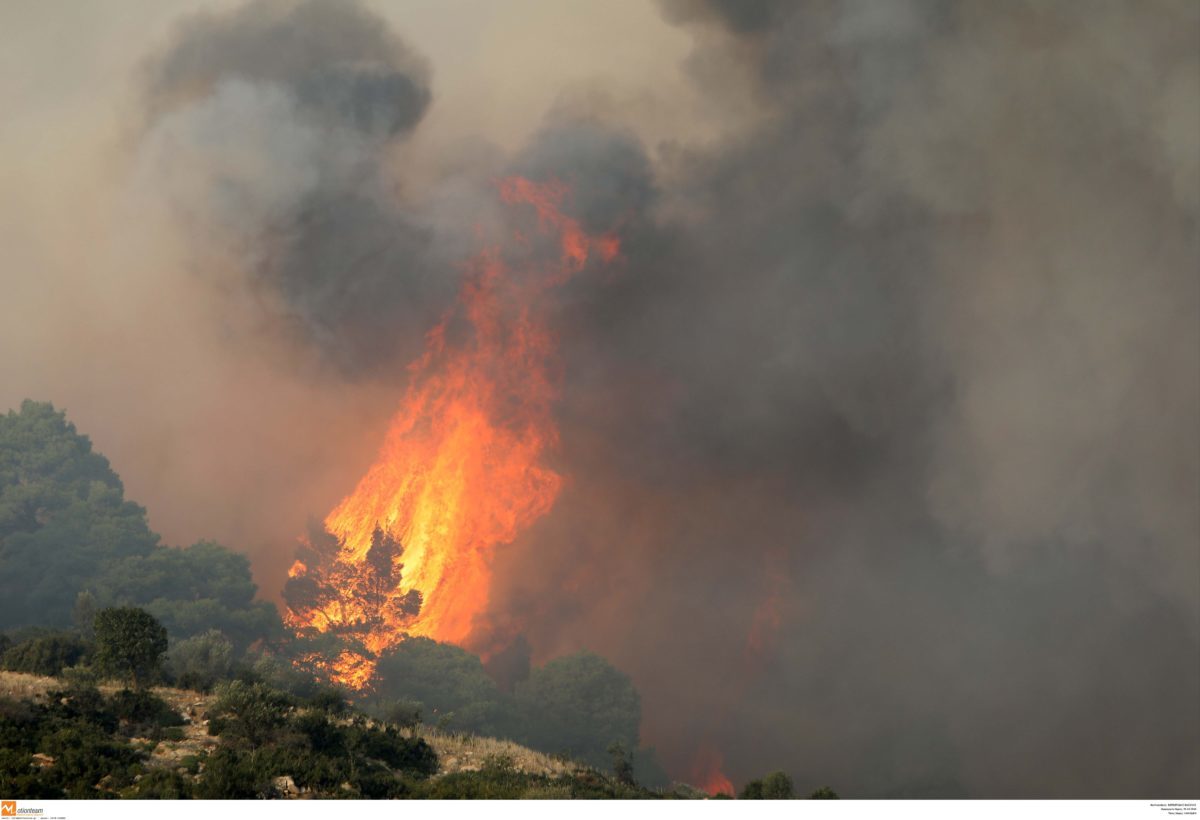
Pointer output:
x,y
468,753
21,686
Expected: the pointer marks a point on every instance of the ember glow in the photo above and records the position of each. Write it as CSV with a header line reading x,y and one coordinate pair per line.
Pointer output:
x,y
461,470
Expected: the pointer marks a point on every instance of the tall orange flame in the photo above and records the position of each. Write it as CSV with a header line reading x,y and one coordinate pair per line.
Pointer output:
x,y
461,468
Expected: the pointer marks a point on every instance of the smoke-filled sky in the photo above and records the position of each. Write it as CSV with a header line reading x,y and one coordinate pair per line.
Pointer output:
x,y
882,442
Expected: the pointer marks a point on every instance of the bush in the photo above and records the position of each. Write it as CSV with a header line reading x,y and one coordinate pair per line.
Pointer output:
x,y
161,784
775,786
144,709
130,643
83,702
411,755
84,755
232,774
403,712
376,782
329,699
201,661
494,781
281,674
253,712
47,654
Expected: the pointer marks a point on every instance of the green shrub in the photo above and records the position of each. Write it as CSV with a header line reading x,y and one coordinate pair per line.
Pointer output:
x,y
775,786
47,654
376,782
84,755
232,774
144,708
201,661
411,755
160,784
130,643
250,711
403,712
329,699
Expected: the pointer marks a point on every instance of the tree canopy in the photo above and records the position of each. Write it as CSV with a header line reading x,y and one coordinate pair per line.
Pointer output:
x,y
449,683
130,642
192,590
63,516
580,704
70,543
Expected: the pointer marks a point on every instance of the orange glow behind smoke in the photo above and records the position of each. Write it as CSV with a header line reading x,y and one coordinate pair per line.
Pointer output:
x,y
706,771
461,468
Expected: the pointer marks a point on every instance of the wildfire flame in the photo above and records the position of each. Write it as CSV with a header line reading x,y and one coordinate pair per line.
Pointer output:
x,y
461,468
707,771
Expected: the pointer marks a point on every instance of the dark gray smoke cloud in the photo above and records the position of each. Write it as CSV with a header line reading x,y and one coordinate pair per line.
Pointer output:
x,y
909,367
881,438
268,128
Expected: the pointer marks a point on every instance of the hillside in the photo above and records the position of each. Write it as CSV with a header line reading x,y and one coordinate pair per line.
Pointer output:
x,y
467,765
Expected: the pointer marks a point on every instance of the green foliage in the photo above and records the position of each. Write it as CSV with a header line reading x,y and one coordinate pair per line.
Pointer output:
x,y
329,699
130,643
823,793
143,708
499,780
84,756
264,735
236,774
278,671
46,654
579,704
161,784
63,516
403,712
775,786
407,754
83,702
448,682
251,712
70,543
200,661
192,591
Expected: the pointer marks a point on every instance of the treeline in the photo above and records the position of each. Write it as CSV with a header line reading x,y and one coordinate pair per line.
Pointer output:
x,y
72,548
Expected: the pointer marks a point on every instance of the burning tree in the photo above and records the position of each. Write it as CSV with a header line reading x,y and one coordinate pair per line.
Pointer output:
x,y
461,468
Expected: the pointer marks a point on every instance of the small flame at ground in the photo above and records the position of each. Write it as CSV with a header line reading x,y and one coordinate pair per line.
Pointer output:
x,y
707,774
461,469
